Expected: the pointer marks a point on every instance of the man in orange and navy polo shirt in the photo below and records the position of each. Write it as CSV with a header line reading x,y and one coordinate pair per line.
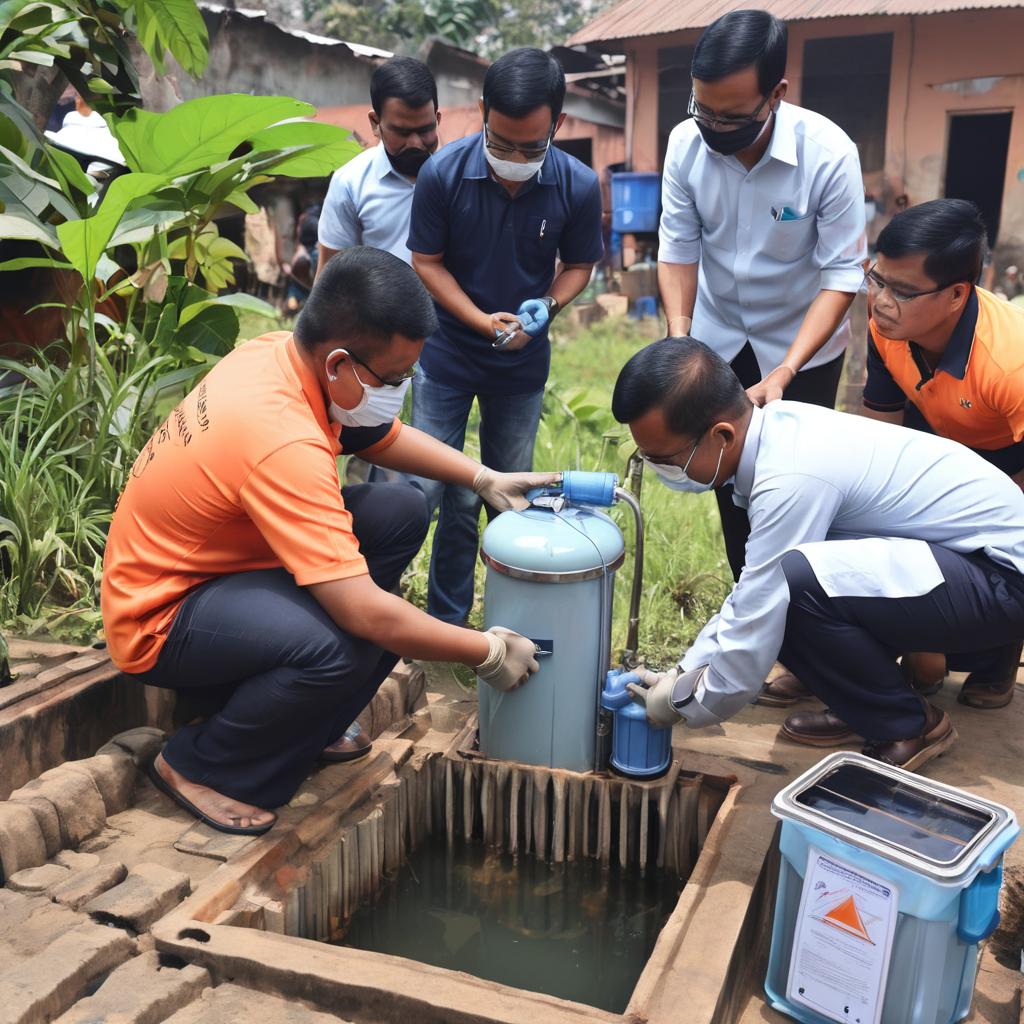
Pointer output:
x,y
948,357
238,568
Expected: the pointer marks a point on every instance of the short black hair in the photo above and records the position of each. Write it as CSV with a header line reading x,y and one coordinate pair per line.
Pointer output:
x,y
693,386
361,298
404,78
742,39
309,229
522,80
950,232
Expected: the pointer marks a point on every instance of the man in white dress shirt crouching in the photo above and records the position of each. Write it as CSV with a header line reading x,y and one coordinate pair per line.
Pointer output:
x,y
867,540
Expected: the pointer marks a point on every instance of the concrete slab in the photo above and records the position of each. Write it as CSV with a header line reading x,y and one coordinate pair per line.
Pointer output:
x,y
233,1004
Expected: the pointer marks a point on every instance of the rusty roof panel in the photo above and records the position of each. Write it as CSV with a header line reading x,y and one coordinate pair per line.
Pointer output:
x,y
633,18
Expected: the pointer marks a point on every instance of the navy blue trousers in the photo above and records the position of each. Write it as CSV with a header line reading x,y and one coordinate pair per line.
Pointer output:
x,y
844,649
284,679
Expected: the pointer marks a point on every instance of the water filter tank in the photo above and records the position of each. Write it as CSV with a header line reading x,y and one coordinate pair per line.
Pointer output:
x,y
550,574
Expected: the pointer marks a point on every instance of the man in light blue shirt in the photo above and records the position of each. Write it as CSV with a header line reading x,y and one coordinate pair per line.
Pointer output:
x,y
370,199
762,236
867,539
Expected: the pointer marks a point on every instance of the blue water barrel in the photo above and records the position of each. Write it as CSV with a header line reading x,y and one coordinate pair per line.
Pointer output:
x,y
636,201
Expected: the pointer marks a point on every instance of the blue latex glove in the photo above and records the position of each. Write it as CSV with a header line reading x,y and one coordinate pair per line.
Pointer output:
x,y
534,316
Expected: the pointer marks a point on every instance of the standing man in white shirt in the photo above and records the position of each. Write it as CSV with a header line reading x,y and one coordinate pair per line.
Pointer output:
x,y
762,227
370,199
867,539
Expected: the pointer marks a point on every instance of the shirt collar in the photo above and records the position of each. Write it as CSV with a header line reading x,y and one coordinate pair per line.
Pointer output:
x,y
478,167
382,166
744,480
311,389
783,144
958,352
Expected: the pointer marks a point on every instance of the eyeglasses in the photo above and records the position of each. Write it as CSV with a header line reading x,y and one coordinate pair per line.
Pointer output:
x,y
877,284
503,150
395,382
727,124
666,460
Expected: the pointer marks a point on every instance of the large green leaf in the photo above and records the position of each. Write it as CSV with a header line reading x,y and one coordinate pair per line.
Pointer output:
x,y
84,241
236,300
174,25
13,225
214,330
199,132
333,147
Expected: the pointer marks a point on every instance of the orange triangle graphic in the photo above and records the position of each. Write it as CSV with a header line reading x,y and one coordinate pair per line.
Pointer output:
x,y
847,917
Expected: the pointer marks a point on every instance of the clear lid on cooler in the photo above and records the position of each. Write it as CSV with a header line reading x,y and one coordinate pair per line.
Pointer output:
x,y
936,829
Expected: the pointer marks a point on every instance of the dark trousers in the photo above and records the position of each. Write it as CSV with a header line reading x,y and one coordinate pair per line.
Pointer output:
x,y
844,649
285,680
817,386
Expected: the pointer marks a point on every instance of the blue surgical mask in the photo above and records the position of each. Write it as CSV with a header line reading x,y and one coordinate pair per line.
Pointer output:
x,y
676,478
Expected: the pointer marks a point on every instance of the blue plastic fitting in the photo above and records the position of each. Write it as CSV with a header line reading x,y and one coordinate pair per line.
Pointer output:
x,y
582,488
979,906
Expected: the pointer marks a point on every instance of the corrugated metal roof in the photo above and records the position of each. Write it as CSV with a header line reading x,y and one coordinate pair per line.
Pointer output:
x,y
632,18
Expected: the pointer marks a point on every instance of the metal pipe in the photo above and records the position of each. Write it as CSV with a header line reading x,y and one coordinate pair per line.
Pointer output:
x,y
629,658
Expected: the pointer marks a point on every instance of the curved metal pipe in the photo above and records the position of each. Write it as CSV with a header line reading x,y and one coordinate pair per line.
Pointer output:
x,y
632,633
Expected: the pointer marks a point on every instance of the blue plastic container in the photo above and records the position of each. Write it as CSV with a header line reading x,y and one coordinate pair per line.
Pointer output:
x,y
644,306
638,749
636,201
934,853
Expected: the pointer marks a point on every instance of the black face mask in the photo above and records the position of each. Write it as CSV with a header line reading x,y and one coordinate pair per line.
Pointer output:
x,y
408,161
728,143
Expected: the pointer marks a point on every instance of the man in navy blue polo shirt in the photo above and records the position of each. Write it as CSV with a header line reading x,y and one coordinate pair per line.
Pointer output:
x,y
490,216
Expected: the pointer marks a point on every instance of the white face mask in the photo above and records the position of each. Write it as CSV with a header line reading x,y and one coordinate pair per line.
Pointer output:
x,y
377,406
676,479
509,170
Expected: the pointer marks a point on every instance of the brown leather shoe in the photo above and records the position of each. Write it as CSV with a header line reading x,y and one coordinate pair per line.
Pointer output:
x,y
350,746
925,671
783,690
817,729
939,735
992,689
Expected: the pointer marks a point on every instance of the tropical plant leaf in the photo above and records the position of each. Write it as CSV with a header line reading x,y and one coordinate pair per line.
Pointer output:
x,y
198,133
84,241
212,330
236,300
174,25
14,225
333,147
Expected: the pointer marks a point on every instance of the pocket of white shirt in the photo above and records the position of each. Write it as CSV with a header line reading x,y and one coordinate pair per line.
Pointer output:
x,y
789,240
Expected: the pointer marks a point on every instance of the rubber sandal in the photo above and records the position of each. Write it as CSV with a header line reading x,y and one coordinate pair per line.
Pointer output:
x,y
345,757
232,830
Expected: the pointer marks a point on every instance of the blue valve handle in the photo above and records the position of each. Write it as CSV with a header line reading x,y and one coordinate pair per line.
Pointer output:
x,y
615,695
580,488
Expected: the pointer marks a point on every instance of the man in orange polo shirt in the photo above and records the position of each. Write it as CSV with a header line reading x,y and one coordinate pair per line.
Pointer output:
x,y
947,357
238,568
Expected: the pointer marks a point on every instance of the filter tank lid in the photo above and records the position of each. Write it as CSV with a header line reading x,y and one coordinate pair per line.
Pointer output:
x,y
939,831
544,543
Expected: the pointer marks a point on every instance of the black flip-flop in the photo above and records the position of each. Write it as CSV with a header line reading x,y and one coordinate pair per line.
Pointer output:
x,y
351,733
232,830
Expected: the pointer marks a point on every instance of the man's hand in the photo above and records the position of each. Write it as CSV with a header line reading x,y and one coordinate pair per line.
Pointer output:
x,y
535,314
654,691
771,388
499,323
510,661
504,491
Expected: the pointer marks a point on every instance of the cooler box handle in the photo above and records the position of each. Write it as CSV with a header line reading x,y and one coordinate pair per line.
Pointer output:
x,y
979,906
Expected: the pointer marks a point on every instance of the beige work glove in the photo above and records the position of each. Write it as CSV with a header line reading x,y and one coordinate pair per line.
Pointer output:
x,y
504,491
510,661
664,694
